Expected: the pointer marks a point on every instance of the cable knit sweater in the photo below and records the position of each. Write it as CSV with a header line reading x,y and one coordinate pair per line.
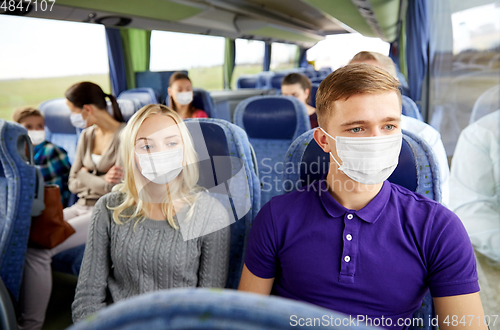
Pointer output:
x,y
121,261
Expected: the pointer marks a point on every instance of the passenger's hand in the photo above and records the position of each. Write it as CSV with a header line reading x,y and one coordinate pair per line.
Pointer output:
x,y
114,174
84,169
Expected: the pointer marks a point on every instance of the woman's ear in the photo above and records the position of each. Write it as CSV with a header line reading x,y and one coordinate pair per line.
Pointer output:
x,y
88,110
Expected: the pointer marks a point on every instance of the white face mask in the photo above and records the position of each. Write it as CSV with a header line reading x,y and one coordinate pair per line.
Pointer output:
x,y
161,167
78,121
185,98
36,137
368,160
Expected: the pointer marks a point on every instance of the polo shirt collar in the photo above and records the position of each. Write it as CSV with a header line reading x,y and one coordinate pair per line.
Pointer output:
x,y
370,213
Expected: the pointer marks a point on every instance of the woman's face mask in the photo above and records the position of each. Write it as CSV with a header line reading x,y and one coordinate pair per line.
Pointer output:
x,y
159,149
367,160
161,167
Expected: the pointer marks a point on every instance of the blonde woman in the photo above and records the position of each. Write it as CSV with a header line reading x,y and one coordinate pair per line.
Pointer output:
x,y
155,230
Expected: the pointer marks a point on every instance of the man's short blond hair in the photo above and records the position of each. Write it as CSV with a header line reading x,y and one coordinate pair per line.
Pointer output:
x,y
352,79
385,61
25,112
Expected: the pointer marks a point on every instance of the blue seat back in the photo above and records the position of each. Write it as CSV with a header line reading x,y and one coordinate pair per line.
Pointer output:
x,y
211,309
314,91
224,143
17,192
417,171
61,132
276,80
410,109
202,100
272,123
247,81
317,80
145,95
127,107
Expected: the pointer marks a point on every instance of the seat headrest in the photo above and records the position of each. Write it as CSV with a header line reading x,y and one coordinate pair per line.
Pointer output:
x,y
202,100
247,82
214,141
57,115
272,117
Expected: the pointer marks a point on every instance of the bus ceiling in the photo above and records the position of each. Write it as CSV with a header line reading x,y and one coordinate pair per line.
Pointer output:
x,y
301,22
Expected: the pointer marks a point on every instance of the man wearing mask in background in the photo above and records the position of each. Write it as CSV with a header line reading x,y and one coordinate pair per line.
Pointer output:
x,y
425,131
354,242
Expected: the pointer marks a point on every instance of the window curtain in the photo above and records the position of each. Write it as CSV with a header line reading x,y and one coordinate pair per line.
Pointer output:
x,y
267,56
116,61
229,61
417,44
302,57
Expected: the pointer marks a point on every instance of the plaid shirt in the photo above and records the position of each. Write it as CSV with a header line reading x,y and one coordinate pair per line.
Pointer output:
x,y
54,164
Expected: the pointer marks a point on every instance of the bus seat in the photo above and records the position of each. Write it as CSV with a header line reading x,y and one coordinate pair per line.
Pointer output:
x,y
410,109
314,91
487,103
8,320
417,171
144,95
62,132
127,107
203,100
247,81
272,124
203,308
265,79
223,140
324,72
18,183
317,80
276,80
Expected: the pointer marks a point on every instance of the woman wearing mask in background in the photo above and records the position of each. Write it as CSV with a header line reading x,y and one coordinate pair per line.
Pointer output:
x,y
180,93
299,86
94,172
158,229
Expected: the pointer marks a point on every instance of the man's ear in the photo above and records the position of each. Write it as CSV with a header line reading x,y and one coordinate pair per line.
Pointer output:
x,y
322,140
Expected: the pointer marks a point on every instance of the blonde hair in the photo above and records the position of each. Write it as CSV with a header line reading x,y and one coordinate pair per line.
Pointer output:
x,y
385,62
351,80
25,112
183,189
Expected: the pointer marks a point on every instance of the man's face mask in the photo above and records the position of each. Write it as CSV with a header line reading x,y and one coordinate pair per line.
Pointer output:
x,y
368,160
161,167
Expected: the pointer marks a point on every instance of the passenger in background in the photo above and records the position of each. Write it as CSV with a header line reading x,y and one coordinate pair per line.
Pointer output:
x,y
474,184
138,240
299,86
94,172
415,126
180,91
52,160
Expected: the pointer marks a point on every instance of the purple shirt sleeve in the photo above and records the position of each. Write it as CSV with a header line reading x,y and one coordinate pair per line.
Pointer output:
x,y
261,255
451,260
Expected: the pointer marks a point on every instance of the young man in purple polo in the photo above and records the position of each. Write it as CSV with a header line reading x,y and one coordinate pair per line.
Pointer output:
x,y
356,243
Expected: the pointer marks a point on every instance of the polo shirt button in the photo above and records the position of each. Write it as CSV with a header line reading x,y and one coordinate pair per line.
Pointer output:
x,y
349,216
347,258
349,237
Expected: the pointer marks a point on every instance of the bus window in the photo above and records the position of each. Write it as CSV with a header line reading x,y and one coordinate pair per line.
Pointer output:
x,y
249,58
466,63
283,56
41,58
347,45
201,56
